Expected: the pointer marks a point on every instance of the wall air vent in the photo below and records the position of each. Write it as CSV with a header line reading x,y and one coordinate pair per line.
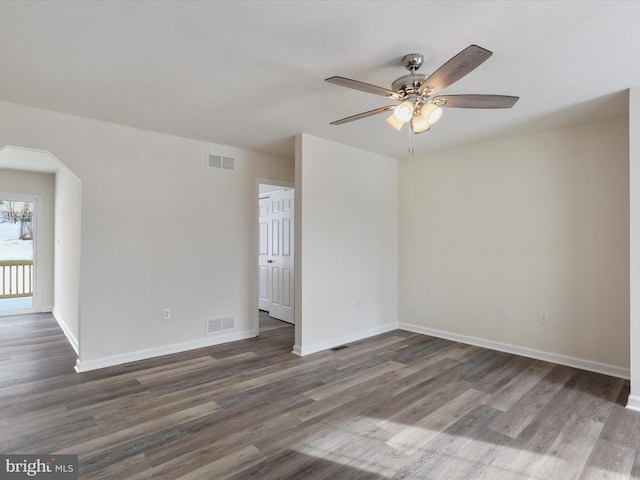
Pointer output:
x,y
228,163
227,323
213,325
341,347
215,161
216,325
220,161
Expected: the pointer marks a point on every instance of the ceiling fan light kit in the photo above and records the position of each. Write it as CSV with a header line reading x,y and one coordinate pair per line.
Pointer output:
x,y
415,91
394,122
431,112
404,111
420,123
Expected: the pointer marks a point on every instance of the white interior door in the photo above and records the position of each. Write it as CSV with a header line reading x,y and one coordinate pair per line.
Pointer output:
x,y
276,284
264,254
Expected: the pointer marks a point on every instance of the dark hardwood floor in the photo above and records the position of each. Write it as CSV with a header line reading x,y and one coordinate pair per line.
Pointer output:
x,y
267,322
395,406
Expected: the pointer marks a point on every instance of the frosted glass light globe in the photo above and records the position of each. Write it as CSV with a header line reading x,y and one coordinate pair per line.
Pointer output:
x,y
404,111
431,113
419,124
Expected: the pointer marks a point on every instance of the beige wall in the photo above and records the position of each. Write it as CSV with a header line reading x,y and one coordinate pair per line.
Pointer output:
x,y
159,229
39,184
533,223
347,224
634,230
67,253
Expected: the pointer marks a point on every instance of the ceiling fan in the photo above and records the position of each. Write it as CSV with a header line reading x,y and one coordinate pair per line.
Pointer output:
x,y
415,91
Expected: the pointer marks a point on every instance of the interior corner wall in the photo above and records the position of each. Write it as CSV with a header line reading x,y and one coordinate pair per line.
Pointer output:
x,y
348,256
516,227
67,253
634,236
159,229
297,259
40,184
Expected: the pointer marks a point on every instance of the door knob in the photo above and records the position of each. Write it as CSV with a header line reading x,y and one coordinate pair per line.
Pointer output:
x,y
269,261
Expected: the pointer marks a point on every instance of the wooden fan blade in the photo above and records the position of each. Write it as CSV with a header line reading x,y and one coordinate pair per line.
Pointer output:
x,y
476,101
363,115
456,68
364,87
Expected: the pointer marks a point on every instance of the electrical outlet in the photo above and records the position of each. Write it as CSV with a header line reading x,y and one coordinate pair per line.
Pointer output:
x,y
504,313
543,319
166,313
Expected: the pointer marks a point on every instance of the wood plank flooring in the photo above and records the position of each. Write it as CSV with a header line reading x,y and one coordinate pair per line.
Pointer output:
x,y
395,406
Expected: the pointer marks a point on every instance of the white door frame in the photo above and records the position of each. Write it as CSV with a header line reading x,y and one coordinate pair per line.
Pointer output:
x,y
37,213
256,283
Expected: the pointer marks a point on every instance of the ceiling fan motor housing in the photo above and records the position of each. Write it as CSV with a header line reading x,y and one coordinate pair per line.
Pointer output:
x,y
408,84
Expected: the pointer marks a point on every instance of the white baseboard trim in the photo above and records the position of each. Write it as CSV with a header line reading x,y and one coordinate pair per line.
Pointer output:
x,y
580,363
65,329
336,342
633,403
113,360
300,350
45,310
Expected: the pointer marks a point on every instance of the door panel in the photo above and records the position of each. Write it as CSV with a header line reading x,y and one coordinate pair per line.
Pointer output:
x,y
282,252
287,290
275,291
264,238
264,250
264,282
275,233
286,236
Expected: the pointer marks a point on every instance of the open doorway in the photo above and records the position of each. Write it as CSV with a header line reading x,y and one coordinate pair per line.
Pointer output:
x,y
17,253
275,255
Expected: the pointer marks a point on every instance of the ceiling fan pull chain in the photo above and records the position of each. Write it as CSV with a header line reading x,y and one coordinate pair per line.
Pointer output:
x,y
412,150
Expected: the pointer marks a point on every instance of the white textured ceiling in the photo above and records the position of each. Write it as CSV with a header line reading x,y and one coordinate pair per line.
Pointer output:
x,y
251,74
